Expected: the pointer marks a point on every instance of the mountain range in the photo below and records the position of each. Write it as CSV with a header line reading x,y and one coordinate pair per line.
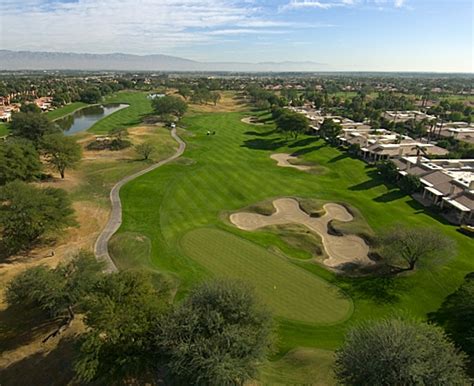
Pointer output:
x,y
33,60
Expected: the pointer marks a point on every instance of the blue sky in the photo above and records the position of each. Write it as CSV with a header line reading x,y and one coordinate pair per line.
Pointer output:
x,y
348,35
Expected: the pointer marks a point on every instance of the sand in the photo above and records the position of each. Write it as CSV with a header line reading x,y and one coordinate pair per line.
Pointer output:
x,y
251,121
339,249
284,159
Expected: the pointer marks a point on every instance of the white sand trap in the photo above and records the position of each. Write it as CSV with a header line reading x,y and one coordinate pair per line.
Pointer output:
x,y
251,121
283,160
340,249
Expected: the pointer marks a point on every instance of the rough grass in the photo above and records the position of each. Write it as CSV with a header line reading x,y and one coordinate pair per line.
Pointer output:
x,y
130,250
3,129
306,244
289,291
302,366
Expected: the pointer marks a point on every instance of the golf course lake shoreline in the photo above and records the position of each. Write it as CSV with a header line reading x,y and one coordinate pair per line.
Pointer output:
x,y
84,118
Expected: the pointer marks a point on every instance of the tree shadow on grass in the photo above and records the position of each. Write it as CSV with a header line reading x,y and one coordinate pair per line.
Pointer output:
x,y
260,134
381,290
52,368
340,157
264,144
369,184
391,195
304,142
306,150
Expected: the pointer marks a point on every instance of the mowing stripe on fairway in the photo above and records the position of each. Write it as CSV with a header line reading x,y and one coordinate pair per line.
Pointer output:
x,y
289,291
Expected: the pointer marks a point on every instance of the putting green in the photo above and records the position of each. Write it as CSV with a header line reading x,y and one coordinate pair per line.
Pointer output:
x,y
290,292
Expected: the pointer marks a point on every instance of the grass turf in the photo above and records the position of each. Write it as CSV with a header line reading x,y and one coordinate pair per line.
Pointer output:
x,y
233,169
140,106
65,110
289,291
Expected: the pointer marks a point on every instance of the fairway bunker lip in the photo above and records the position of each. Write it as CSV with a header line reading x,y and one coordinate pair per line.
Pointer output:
x,y
283,160
339,249
251,121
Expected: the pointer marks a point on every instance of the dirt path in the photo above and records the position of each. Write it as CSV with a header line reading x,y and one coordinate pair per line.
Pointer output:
x,y
283,160
340,249
115,220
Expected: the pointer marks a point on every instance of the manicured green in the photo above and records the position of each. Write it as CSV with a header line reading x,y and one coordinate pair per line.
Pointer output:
x,y
65,110
140,106
232,170
289,291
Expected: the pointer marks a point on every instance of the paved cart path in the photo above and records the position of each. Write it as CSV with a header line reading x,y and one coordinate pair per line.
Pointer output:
x,y
101,249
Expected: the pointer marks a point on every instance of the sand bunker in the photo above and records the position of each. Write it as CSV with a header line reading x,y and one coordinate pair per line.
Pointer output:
x,y
251,121
340,249
283,161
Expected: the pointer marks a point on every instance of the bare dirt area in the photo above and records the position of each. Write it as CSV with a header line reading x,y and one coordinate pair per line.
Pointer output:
x,y
284,160
228,103
339,249
21,337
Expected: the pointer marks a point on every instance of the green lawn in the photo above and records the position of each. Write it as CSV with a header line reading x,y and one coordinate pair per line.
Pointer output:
x,y
65,110
232,170
139,107
287,289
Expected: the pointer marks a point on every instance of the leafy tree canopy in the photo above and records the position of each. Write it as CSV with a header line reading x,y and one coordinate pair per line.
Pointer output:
x,y
28,213
18,160
217,336
169,105
396,352
61,151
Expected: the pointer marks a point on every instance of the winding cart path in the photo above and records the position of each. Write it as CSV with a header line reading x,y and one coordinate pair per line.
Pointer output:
x,y
101,249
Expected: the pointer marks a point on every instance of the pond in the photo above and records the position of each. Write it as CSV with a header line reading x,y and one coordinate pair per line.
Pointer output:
x,y
83,119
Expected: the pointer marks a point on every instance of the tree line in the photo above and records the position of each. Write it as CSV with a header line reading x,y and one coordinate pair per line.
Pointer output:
x,y
220,333
29,213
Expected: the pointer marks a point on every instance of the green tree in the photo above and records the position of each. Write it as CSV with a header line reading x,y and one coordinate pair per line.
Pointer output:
x,y
396,352
145,150
330,130
28,213
62,152
215,97
290,122
121,314
456,315
31,126
410,183
30,108
18,160
58,292
388,170
184,91
412,245
217,336
90,95
169,105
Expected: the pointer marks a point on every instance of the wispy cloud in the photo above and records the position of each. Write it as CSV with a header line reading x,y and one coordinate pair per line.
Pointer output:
x,y
301,4
328,4
142,25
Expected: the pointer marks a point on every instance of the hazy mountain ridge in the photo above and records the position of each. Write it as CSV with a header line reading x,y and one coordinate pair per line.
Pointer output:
x,y
33,60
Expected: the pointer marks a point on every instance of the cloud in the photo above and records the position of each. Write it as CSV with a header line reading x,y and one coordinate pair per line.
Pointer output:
x,y
301,4
135,26
328,4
